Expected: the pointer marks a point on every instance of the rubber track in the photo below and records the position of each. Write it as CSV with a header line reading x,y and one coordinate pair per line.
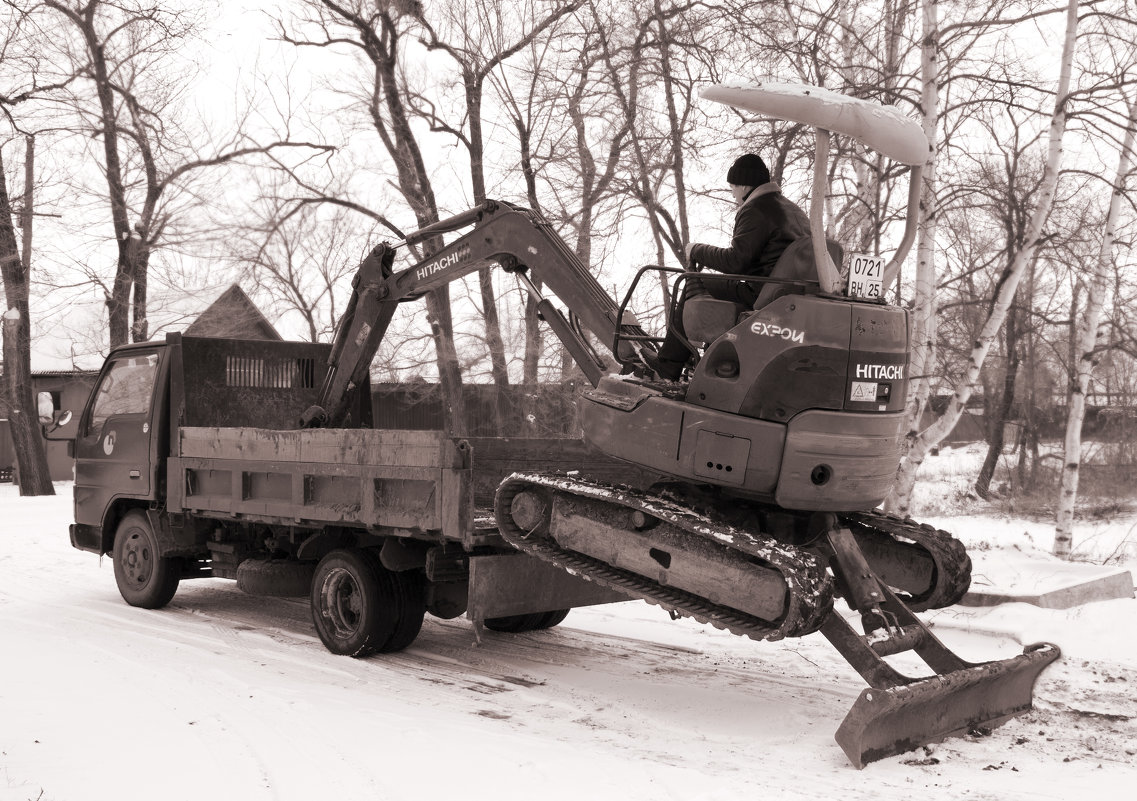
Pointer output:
x,y
953,566
810,587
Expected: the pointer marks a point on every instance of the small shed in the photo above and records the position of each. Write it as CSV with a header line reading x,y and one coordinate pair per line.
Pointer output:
x,y
233,316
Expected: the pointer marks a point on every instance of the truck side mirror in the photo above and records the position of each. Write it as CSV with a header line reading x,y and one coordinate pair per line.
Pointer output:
x,y
50,418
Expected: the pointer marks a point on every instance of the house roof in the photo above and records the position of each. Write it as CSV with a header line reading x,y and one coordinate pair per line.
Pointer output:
x,y
233,315
63,373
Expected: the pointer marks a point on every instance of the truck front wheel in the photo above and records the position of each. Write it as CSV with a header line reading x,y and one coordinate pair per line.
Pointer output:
x,y
359,607
144,577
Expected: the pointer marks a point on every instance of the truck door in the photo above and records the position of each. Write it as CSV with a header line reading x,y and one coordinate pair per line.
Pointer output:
x,y
112,445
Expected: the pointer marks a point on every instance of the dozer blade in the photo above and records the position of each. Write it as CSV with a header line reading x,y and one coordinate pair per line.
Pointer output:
x,y
899,713
885,722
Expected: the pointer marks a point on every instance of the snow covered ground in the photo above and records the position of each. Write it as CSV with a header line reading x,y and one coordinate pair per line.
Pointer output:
x,y
223,696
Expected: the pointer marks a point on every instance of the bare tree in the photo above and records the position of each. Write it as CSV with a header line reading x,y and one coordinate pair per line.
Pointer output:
x,y
20,84
120,50
375,32
480,36
15,268
531,113
301,260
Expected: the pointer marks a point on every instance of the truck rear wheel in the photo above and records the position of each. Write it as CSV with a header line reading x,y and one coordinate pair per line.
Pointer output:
x,y
359,607
554,618
410,593
145,578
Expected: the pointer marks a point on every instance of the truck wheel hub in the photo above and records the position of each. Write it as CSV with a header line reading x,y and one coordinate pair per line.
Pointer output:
x,y
342,601
137,560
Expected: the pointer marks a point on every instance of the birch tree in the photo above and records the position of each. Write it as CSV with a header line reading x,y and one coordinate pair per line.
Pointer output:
x,y
1086,346
920,444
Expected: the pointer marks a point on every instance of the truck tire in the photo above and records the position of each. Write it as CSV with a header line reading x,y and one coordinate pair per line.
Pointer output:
x,y
554,618
359,607
516,624
145,579
278,578
410,592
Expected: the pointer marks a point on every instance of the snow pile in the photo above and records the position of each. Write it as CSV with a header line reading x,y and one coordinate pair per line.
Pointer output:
x,y
224,696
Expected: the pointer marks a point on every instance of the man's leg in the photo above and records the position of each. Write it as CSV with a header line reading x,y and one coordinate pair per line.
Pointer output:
x,y
673,354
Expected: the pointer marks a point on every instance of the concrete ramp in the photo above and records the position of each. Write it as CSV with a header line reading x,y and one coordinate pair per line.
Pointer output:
x,y
1003,577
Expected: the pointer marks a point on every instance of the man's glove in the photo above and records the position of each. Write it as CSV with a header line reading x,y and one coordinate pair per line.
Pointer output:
x,y
691,265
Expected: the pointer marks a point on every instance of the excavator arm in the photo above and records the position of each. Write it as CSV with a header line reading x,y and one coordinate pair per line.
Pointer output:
x,y
513,238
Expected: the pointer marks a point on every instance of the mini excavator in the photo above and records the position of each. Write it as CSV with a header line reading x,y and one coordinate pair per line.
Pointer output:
x,y
772,452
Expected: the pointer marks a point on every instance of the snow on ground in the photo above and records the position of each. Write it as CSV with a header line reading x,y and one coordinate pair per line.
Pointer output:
x,y
224,696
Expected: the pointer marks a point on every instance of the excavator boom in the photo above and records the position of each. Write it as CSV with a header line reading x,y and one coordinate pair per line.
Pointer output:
x,y
515,239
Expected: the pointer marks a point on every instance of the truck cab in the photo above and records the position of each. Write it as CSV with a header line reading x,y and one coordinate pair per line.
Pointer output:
x,y
121,442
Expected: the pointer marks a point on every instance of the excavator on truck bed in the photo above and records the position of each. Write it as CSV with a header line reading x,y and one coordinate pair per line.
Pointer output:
x,y
770,456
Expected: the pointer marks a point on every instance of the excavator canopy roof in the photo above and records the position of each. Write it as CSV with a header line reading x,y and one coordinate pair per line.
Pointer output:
x,y
884,129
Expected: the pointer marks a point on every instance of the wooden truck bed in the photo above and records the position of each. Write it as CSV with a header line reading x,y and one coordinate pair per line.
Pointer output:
x,y
422,482
415,480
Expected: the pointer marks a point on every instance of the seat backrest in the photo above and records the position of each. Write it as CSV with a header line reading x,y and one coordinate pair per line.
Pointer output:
x,y
705,319
797,263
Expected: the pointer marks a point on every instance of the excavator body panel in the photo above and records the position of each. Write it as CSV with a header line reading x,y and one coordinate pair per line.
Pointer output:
x,y
642,425
801,403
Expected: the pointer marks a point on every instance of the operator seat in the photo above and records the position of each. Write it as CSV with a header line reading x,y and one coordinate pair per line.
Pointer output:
x,y
705,319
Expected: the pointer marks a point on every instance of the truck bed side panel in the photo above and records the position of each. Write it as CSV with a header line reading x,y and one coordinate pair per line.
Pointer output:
x,y
415,480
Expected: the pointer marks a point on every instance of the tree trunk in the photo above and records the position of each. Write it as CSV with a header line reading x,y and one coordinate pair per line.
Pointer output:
x,y
118,302
1086,346
31,454
494,341
139,255
675,126
449,370
924,304
414,183
532,321
997,421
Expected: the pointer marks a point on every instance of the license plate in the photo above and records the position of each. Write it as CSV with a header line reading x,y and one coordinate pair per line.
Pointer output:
x,y
866,276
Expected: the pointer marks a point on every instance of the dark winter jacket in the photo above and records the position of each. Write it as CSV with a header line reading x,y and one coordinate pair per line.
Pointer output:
x,y
764,226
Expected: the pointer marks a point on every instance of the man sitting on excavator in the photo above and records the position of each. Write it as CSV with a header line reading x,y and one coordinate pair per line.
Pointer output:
x,y
764,226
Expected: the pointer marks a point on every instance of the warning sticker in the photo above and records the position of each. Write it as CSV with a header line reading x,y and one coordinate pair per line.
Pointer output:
x,y
864,391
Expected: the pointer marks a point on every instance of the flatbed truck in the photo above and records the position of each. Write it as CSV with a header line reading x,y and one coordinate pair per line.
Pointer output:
x,y
189,463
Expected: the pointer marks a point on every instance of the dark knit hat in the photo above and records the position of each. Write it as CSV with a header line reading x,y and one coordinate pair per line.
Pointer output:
x,y
748,170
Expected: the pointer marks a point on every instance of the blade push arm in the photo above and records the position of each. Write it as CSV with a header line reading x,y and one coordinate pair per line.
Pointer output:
x,y
517,240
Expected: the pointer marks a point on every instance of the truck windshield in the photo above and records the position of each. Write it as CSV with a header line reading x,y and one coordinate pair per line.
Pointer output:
x,y
125,389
